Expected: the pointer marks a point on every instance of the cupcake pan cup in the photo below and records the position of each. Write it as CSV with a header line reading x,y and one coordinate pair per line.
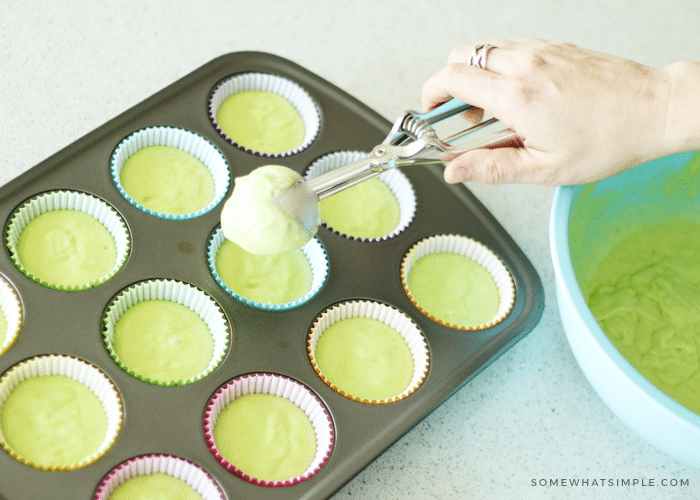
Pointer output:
x,y
313,250
284,87
276,385
388,315
77,369
184,140
180,293
11,308
169,420
474,250
69,200
176,467
394,179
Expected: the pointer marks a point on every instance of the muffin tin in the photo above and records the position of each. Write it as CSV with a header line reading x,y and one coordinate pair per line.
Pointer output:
x,y
170,420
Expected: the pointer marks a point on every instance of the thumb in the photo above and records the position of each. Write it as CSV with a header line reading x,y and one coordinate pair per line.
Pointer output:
x,y
492,166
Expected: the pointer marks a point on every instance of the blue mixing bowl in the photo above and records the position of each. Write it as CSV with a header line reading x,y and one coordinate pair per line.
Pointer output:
x,y
585,222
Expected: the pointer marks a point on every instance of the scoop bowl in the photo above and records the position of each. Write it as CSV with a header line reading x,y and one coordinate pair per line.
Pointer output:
x,y
302,204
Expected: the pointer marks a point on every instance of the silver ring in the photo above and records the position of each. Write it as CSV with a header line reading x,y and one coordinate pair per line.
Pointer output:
x,y
478,55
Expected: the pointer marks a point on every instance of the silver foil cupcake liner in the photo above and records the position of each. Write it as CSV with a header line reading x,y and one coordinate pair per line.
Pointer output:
x,y
184,140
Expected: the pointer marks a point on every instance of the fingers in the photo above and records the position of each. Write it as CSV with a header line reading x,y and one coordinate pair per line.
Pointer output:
x,y
473,115
549,94
496,166
464,82
474,85
504,55
460,55
508,66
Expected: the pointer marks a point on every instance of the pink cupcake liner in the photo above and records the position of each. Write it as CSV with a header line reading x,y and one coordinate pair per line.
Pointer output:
x,y
278,385
177,467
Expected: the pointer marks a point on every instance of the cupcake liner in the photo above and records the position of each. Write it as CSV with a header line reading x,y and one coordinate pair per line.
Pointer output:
x,y
388,315
11,307
69,200
394,178
283,87
278,385
314,252
177,467
183,140
174,291
474,250
77,369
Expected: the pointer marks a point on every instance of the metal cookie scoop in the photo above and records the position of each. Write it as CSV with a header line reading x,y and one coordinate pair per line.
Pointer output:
x,y
411,141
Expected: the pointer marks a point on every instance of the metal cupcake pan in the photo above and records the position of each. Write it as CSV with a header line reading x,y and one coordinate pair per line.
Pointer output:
x,y
170,420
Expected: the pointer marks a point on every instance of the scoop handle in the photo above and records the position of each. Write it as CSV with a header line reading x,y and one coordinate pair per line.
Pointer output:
x,y
445,110
453,107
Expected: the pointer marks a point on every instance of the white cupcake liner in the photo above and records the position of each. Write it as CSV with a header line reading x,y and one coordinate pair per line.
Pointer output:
x,y
278,385
77,369
314,252
388,315
394,178
184,140
11,307
174,291
69,200
144,465
474,250
283,87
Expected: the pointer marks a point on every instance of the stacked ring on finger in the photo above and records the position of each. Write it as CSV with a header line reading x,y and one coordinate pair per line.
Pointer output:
x,y
478,55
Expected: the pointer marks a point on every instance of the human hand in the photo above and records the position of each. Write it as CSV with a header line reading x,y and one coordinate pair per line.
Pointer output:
x,y
578,115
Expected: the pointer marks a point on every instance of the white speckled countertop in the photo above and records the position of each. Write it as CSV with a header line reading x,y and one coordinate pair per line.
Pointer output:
x,y
68,67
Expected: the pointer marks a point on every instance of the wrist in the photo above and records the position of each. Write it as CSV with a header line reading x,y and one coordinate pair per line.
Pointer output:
x,y
682,127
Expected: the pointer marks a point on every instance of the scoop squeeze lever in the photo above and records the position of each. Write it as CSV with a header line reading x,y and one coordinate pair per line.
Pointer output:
x,y
411,141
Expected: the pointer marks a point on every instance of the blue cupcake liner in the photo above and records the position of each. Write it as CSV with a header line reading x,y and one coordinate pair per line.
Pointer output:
x,y
314,252
184,140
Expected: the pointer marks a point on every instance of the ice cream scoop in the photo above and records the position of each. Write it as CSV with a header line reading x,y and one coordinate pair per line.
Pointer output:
x,y
251,218
272,213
